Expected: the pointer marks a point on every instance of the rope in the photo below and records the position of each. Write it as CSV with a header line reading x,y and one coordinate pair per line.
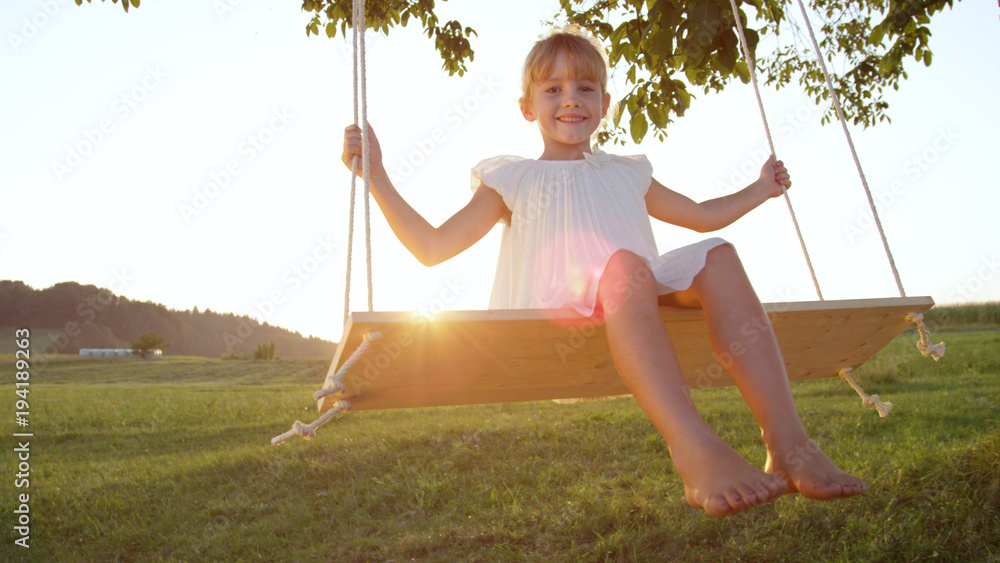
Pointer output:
x,y
854,153
364,142
334,384
308,431
752,66
935,351
358,25
868,401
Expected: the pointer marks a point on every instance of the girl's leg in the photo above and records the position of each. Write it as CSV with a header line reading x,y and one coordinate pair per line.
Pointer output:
x,y
742,337
715,477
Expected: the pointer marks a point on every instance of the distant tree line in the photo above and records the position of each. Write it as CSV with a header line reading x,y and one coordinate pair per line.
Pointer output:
x,y
87,316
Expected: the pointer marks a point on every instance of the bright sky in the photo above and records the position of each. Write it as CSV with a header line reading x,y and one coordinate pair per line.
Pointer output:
x,y
188,153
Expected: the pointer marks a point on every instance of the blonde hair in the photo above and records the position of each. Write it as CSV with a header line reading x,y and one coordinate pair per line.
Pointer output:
x,y
588,56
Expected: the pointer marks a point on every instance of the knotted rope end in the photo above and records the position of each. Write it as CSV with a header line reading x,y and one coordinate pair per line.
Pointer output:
x,y
304,431
867,401
935,351
882,408
308,431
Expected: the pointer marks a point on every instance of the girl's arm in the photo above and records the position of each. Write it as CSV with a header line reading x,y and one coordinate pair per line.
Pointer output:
x,y
428,244
676,209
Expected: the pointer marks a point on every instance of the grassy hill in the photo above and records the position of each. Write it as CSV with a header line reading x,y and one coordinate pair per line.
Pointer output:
x,y
170,461
70,316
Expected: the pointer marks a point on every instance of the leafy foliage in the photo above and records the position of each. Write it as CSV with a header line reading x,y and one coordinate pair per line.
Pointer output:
x,y
871,40
125,3
146,343
265,351
451,39
669,48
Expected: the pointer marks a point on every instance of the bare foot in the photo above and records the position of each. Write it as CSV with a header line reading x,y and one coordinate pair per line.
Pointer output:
x,y
806,469
719,481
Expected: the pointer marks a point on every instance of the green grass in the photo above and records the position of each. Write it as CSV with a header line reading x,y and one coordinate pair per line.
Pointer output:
x,y
170,461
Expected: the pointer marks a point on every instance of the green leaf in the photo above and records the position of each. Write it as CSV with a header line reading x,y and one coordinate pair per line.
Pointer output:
x,y
657,115
743,71
331,30
753,38
878,32
727,59
638,126
684,96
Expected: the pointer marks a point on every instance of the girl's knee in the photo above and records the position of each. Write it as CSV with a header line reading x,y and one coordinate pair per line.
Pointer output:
x,y
724,252
724,259
723,272
626,268
625,281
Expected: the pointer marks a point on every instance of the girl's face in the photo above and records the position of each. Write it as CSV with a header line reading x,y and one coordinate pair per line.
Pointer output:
x,y
568,108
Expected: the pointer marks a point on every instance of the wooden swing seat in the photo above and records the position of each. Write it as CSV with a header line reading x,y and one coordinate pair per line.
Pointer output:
x,y
498,356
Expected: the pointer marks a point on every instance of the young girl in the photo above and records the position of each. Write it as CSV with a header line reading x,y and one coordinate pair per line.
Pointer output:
x,y
577,234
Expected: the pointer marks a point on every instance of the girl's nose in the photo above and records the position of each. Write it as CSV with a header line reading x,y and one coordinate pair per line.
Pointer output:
x,y
570,101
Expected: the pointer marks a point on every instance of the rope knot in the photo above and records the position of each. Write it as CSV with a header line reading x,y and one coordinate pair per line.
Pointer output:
x,y
867,401
336,386
304,431
873,402
935,351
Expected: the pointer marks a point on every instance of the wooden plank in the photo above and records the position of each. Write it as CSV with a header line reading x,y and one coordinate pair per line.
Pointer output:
x,y
473,357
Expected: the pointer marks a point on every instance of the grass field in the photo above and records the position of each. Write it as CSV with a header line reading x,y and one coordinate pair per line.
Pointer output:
x,y
170,461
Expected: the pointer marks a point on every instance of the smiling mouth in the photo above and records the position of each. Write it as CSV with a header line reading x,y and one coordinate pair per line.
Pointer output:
x,y
571,119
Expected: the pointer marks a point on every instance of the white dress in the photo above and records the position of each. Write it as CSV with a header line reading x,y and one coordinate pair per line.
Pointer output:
x,y
568,217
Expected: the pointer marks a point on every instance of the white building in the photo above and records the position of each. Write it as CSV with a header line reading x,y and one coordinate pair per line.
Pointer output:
x,y
116,353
